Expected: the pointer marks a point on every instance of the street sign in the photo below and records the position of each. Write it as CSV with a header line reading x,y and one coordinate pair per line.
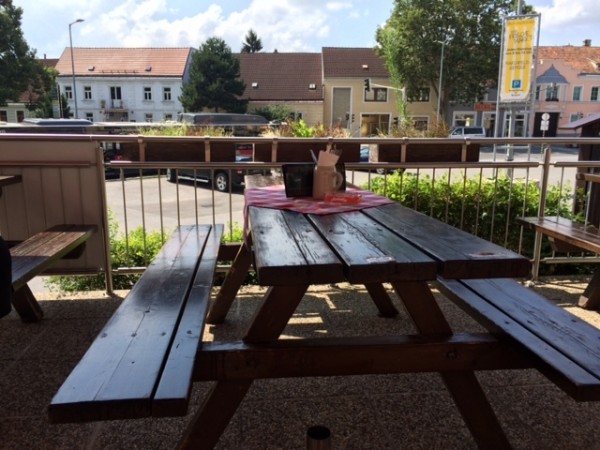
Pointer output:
x,y
546,117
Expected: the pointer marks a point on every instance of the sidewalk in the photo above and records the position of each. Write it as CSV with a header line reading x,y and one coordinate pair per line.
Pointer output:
x,y
405,411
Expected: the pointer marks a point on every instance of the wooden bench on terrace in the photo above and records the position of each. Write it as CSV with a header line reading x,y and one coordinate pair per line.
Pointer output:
x,y
33,256
565,235
141,364
565,348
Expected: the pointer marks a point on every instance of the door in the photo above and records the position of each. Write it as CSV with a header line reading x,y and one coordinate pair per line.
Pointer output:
x,y
340,112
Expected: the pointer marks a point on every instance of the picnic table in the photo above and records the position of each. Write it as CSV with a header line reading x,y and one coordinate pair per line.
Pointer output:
x,y
296,243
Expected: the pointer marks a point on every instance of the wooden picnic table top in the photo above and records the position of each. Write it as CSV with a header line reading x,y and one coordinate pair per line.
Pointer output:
x,y
380,244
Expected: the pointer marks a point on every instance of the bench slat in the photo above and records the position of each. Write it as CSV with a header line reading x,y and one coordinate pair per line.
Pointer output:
x,y
36,254
173,392
567,347
118,375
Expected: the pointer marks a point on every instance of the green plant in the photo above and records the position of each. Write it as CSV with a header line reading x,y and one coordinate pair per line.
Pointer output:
x,y
301,129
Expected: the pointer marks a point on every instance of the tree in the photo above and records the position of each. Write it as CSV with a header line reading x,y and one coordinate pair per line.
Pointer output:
x,y
411,42
19,69
252,44
214,82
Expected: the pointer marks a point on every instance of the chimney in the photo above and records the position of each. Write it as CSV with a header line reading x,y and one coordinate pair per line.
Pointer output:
x,y
587,43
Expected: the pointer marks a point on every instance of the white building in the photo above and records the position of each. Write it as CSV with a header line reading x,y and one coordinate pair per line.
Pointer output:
x,y
124,84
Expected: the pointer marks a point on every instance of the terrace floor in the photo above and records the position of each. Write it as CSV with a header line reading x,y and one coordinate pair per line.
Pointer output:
x,y
362,412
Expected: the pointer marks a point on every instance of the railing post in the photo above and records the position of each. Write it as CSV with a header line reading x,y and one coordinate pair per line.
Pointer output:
x,y
537,246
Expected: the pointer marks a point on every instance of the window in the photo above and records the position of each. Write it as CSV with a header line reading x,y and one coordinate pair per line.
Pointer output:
x,y
421,123
115,92
69,92
577,93
420,95
575,116
594,94
20,116
376,95
3,116
537,92
147,93
87,92
552,93
168,116
89,116
167,94
148,117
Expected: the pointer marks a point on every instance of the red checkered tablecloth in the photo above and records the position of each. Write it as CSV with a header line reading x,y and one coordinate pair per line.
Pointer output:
x,y
274,197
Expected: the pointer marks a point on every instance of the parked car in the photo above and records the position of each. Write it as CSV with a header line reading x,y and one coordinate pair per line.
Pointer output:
x,y
221,178
471,132
364,158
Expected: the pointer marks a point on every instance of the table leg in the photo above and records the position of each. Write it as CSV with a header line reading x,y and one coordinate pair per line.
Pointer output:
x,y
381,299
464,387
590,299
213,416
271,317
231,285
26,305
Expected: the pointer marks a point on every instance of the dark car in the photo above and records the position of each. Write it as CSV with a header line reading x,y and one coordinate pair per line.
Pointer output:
x,y
220,177
364,158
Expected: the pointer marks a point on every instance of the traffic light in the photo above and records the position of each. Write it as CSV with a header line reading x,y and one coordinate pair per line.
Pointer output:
x,y
367,84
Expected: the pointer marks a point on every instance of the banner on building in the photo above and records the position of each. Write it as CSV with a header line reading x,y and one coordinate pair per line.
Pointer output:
x,y
518,45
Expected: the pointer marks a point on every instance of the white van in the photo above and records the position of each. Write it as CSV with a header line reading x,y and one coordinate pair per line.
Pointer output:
x,y
471,132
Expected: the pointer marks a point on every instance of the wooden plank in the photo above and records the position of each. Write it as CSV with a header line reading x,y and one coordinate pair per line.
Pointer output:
x,y
39,252
372,253
566,348
117,376
289,251
356,356
459,254
173,392
576,234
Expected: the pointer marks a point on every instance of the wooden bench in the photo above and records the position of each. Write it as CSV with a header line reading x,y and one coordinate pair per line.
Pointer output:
x,y
39,252
565,348
141,363
568,236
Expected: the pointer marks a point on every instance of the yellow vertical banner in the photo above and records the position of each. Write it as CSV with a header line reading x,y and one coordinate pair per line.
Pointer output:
x,y
517,57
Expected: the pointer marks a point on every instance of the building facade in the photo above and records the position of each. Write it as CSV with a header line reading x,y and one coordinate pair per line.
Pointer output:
x,y
124,84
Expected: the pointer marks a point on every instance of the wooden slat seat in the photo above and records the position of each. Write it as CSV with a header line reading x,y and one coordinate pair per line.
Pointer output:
x,y
33,256
566,235
141,363
566,348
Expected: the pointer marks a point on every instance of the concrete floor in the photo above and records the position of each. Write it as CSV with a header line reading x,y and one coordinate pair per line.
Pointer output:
x,y
363,412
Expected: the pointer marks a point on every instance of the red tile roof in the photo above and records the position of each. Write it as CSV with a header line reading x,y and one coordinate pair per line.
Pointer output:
x,y
584,60
138,62
282,76
352,63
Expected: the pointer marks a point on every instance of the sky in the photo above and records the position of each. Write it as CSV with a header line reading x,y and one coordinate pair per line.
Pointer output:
x,y
282,25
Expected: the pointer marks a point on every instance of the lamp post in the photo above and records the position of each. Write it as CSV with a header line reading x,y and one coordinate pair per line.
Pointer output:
x,y
439,99
73,67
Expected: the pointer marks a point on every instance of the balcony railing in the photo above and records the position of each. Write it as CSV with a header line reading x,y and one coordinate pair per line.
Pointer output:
x,y
140,195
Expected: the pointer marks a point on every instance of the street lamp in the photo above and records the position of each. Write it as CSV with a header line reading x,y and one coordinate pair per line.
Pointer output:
x,y
73,67
439,99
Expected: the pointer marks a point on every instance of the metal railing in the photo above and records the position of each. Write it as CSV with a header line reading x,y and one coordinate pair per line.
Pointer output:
x,y
141,196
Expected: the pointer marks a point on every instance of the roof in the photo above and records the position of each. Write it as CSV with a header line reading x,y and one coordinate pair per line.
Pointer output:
x,y
585,60
138,62
281,76
352,63
552,75
582,122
